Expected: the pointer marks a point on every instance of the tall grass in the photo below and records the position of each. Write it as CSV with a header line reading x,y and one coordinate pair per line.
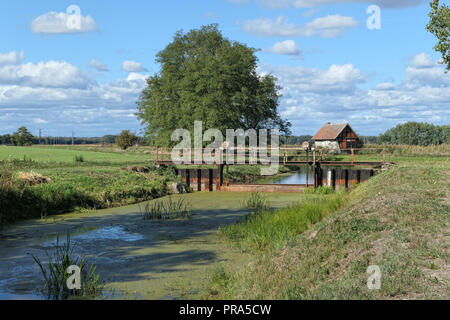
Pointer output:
x,y
167,209
257,202
55,274
269,229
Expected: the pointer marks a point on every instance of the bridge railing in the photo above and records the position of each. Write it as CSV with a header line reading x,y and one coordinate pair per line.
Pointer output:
x,y
287,155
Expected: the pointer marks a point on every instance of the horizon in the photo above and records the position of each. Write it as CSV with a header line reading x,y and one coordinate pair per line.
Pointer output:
x,y
331,66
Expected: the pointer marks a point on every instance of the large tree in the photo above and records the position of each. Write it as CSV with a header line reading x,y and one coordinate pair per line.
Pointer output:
x,y
22,137
208,78
439,25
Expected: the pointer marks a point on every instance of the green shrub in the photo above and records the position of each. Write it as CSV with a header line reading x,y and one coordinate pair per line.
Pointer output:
x,y
79,158
319,190
167,209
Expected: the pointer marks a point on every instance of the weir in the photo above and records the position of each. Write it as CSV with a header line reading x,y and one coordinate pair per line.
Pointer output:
x,y
327,172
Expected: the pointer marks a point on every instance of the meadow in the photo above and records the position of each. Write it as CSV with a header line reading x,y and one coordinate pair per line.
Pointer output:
x,y
41,181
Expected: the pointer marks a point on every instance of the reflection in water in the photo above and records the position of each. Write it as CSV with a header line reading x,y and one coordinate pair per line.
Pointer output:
x,y
299,177
107,233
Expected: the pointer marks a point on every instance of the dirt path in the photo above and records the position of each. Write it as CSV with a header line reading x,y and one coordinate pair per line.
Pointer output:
x,y
136,258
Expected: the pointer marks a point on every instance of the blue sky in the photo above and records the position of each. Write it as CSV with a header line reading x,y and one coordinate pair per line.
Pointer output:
x,y
330,65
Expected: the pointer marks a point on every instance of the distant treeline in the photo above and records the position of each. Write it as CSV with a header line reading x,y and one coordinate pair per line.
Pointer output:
x,y
109,139
416,134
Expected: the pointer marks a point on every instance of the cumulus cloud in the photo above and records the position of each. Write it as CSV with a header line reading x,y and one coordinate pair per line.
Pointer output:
x,y
98,65
288,47
62,23
12,57
312,97
69,98
132,66
51,74
422,60
328,27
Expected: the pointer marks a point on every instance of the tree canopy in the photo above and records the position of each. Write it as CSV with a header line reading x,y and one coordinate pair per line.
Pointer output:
x,y
415,133
126,139
22,137
439,25
208,78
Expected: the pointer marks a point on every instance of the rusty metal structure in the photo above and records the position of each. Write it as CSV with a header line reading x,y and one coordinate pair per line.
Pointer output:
x,y
327,172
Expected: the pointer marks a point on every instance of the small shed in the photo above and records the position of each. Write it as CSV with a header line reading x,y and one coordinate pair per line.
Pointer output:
x,y
336,137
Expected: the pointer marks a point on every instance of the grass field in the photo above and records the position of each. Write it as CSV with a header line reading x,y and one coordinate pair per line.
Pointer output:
x,y
99,179
68,154
398,220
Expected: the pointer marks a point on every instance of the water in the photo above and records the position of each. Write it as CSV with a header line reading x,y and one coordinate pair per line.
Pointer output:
x,y
106,233
298,177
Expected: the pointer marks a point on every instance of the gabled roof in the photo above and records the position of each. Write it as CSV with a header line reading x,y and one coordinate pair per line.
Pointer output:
x,y
330,131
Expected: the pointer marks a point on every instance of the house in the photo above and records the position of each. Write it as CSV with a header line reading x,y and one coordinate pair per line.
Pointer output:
x,y
336,137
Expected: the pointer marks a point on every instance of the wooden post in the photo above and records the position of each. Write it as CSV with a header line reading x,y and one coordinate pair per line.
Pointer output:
x,y
307,168
353,156
384,156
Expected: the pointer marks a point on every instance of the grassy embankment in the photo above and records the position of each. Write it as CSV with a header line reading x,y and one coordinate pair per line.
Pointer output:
x,y
96,180
399,220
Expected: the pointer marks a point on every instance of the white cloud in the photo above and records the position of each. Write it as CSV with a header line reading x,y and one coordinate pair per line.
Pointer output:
x,y
12,57
132,66
61,23
312,97
51,74
266,27
98,65
328,27
288,47
422,60
69,99
40,121
336,79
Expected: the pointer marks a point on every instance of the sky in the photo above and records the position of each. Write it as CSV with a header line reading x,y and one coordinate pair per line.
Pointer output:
x,y
81,65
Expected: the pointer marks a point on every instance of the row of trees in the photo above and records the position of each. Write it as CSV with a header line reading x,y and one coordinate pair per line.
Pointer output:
x,y
23,137
418,134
